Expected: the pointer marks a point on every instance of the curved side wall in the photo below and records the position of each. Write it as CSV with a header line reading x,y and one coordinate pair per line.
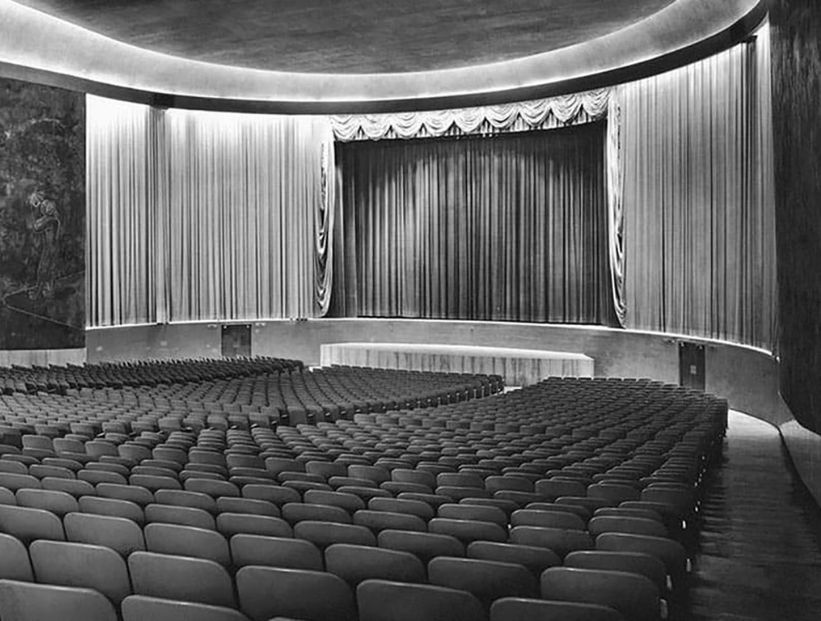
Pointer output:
x,y
746,377
796,71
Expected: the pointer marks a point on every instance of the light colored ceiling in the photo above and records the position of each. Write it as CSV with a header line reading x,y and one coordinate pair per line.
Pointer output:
x,y
351,36
319,56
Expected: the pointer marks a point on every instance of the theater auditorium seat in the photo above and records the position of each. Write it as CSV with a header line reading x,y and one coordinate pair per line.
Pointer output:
x,y
349,502
187,541
119,534
230,524
548,519
534,558
523,609
634,562
633,595
142,608
266,592
378,521
247,505
380,600
670,552
112,507
423,545
355,563
177,498
181,516
396,505
182,578
14,559
561,541
58,503
29,524
24,601
473,512
81,565
487,580
468,530
294,512
323,534
275,552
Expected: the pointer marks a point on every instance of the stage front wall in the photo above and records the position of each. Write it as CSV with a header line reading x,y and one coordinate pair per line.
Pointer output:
x,y
507,227
42,217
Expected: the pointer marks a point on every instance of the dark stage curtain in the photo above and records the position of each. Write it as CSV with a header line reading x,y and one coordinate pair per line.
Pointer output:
x,y
512,227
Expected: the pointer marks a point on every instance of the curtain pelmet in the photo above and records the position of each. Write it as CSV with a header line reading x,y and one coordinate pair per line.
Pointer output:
x,y
553,112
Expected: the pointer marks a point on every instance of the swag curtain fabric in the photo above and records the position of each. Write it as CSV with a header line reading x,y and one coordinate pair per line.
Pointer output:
x,y
698,199
508,228
199,216
561,111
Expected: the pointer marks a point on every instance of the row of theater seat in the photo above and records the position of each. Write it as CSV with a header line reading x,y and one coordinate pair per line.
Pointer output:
x,y
61,379
273,576
599,476
498,569
271,398
328,596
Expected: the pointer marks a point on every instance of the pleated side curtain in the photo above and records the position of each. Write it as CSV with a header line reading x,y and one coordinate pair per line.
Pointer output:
x,y
697,165
206,216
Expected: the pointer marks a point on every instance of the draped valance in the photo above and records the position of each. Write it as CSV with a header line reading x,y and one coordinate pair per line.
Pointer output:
x,y
519,116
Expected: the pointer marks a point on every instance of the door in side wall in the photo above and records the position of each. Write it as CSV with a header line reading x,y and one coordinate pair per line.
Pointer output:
x,y
691,365
236,340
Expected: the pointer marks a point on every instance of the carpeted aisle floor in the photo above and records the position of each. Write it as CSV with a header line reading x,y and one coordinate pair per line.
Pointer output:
x,y
759,550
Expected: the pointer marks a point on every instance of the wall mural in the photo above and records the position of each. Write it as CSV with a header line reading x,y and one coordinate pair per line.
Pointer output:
x,y
42,217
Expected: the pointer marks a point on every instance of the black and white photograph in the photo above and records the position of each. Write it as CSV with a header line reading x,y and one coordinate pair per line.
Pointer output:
x,y
410,310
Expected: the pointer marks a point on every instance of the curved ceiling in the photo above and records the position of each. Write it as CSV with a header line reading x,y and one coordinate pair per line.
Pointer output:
x,y
312,56
351,36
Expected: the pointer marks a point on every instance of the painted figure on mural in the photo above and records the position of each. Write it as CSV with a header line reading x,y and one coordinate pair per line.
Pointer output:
x,y
47,225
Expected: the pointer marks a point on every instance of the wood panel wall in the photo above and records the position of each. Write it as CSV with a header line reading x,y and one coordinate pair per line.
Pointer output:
x,y
796,67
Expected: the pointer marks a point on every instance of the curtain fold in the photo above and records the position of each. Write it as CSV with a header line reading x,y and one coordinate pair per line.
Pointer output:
x,y
206,216
615,210
698,198
158,231
509,228
324,230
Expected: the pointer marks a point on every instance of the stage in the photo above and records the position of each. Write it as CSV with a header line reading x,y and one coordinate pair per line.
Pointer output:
x,y
518,367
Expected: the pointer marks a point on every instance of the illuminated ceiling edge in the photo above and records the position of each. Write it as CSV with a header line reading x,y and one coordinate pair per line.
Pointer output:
x,y
31,39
